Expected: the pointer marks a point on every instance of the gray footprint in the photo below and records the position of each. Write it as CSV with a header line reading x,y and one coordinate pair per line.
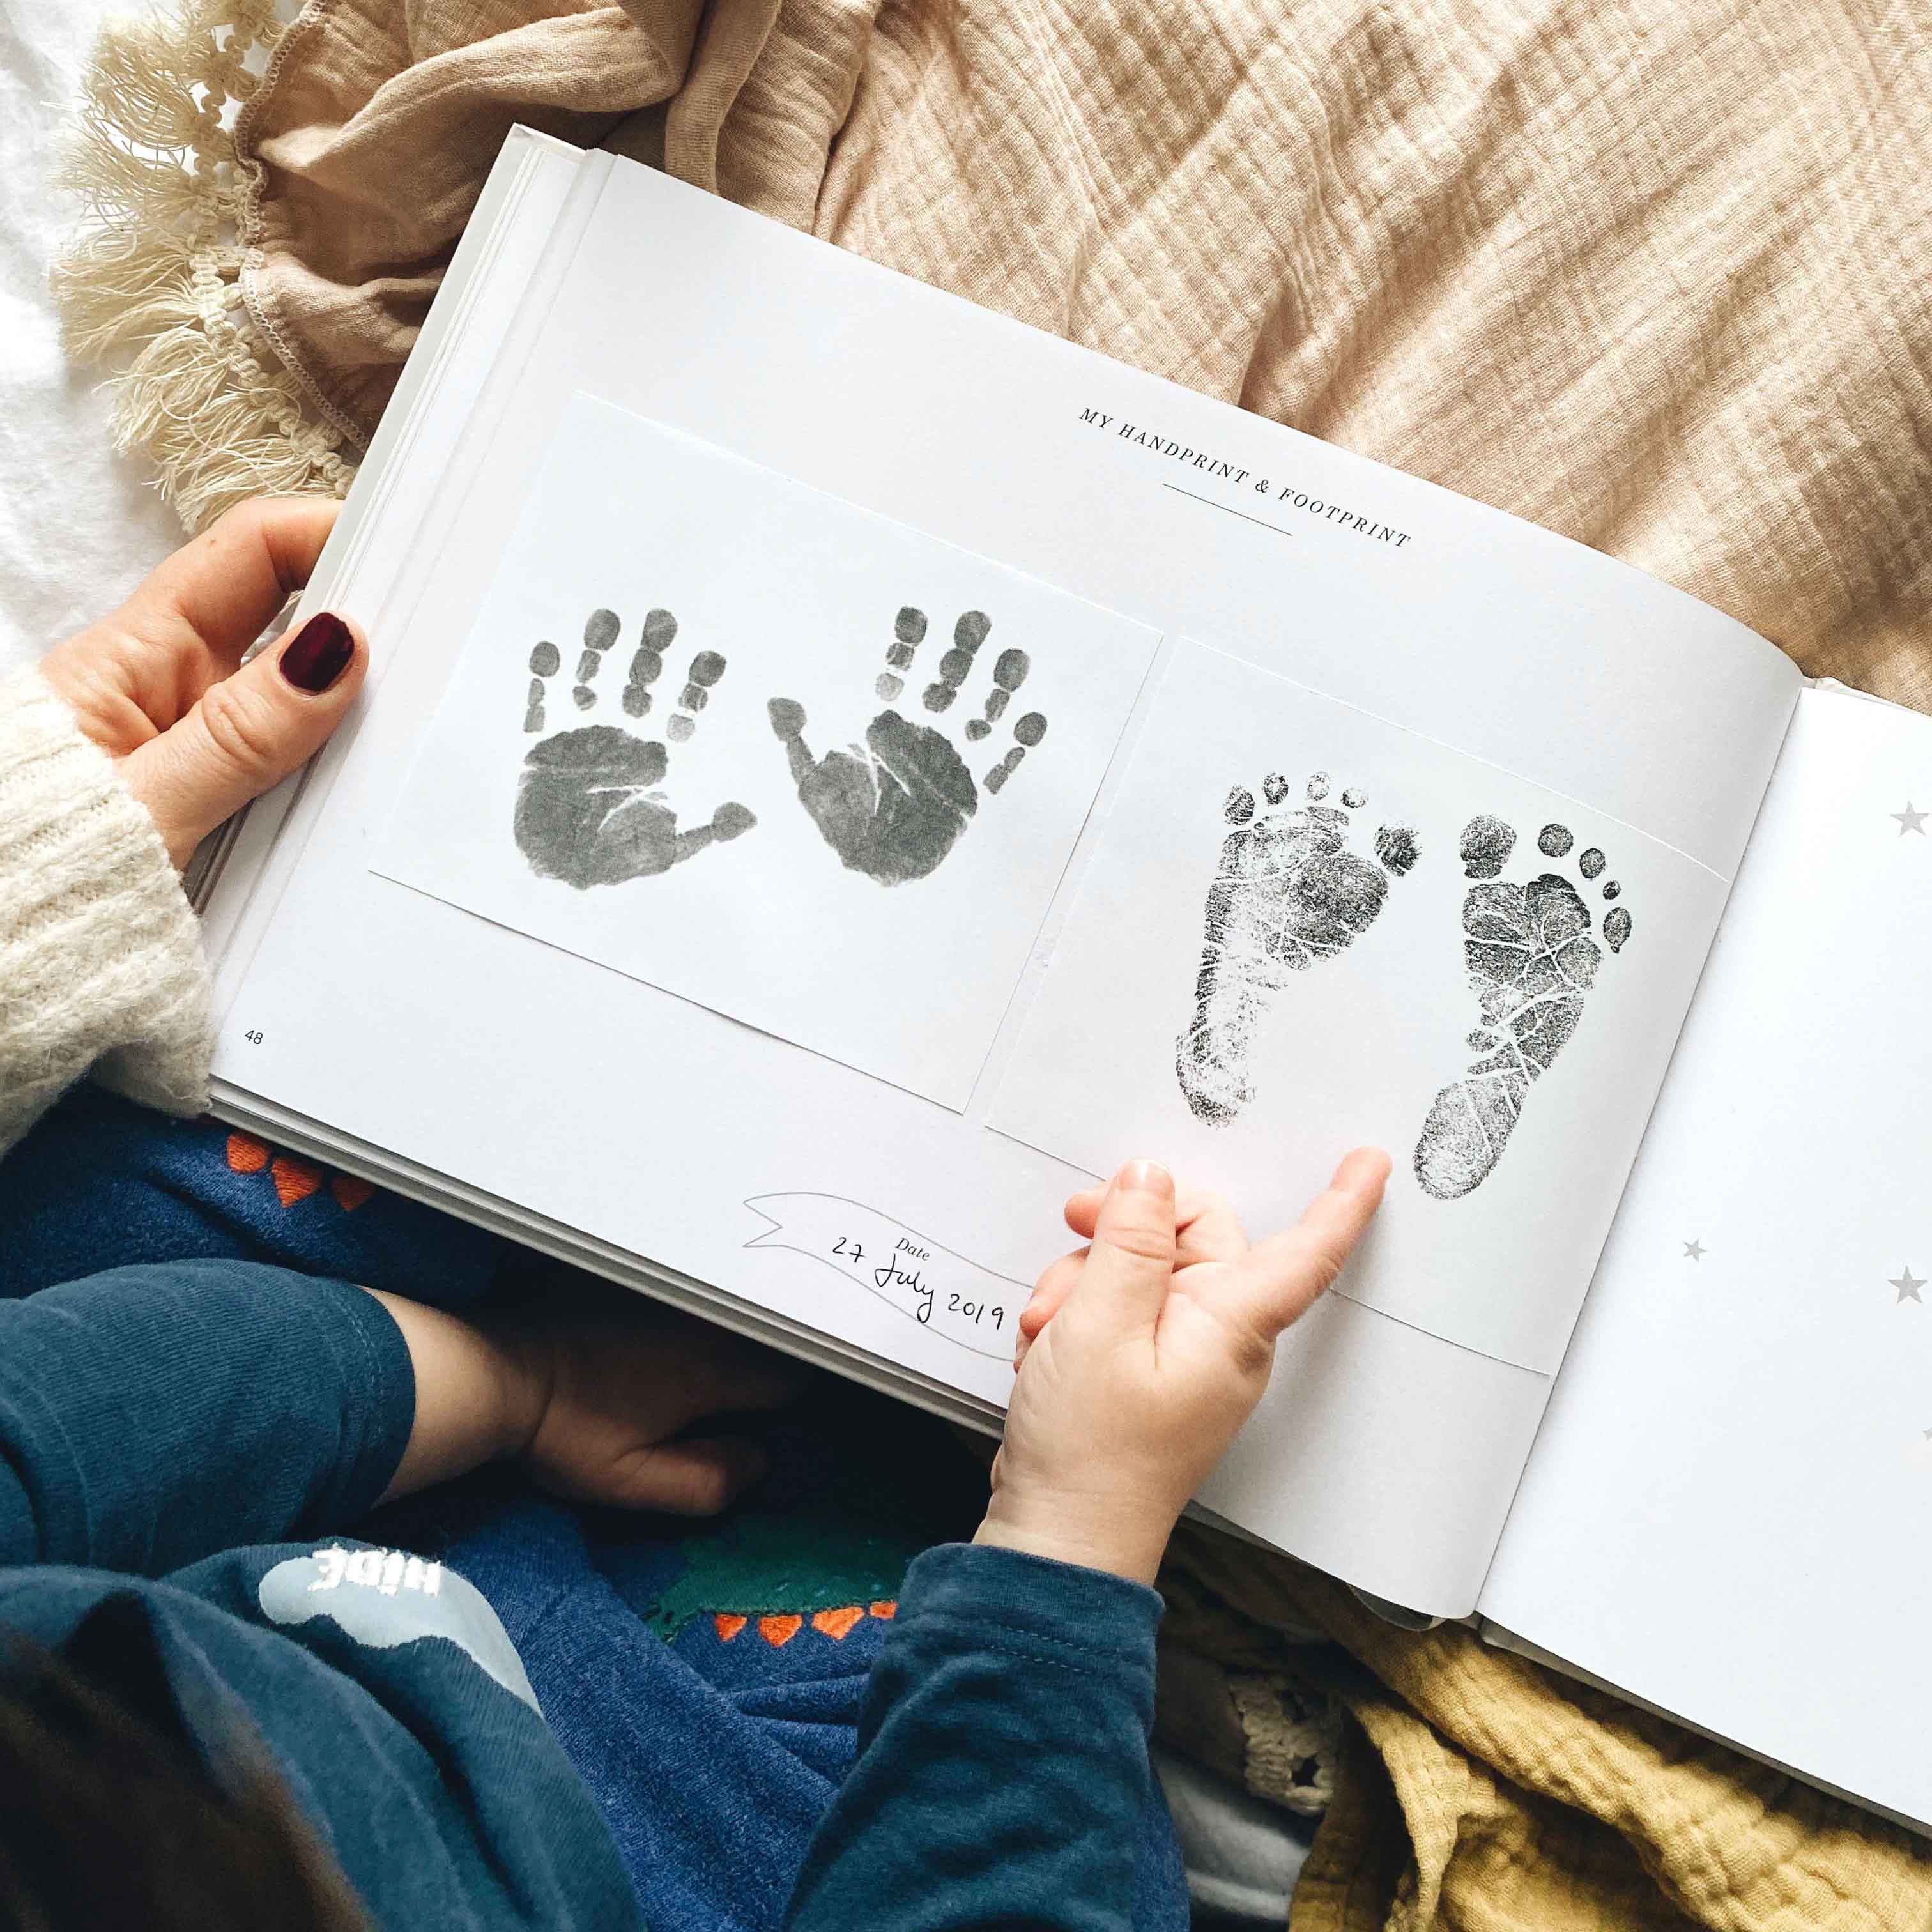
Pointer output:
x,y
1532,956
1287,891
894,807
589,810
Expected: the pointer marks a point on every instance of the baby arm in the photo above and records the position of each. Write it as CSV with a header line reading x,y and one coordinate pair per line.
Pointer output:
x,y
1003,1765
153,1415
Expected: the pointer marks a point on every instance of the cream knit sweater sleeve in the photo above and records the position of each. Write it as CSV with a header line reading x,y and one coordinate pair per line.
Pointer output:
x,y
100,963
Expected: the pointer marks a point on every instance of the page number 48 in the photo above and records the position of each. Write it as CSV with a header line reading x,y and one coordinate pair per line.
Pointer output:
x,y
253,1036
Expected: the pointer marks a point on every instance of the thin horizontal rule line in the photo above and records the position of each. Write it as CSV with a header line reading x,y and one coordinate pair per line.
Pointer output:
x,y
1242,514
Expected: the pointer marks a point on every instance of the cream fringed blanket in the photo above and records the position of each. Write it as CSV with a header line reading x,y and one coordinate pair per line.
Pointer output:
x,y
1652,274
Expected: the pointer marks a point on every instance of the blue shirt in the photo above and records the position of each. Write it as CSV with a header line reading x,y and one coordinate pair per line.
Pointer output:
x,y
187,1440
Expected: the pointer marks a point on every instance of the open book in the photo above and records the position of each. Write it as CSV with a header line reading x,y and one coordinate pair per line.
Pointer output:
x,y
842,769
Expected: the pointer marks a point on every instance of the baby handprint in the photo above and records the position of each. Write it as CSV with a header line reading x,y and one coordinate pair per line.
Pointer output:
x,y
894,807
589,810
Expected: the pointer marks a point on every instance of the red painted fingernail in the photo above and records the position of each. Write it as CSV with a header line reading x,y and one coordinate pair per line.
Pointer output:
x,y
318,654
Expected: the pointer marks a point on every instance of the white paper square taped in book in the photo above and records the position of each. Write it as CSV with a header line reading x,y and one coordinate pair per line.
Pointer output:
x,y
1304,929
726,734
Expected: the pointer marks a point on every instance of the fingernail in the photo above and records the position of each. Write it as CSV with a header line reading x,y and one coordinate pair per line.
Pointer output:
x,y
1362,1168
318,654
1144,1177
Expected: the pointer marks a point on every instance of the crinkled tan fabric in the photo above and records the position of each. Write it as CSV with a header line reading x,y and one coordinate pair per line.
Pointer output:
x,y
1654,275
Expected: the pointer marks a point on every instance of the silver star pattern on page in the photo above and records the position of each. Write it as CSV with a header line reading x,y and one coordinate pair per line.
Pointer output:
x,y
1908,1285
1695,1251
1909,820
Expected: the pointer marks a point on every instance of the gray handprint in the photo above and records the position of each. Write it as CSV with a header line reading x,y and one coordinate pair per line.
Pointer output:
x,y
893,808
588,811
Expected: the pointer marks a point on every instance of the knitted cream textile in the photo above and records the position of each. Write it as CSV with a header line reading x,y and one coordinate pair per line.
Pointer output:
x,y
1651,274
99,955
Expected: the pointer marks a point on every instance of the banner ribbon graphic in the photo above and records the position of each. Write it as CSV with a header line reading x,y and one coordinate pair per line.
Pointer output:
x,y
927,1283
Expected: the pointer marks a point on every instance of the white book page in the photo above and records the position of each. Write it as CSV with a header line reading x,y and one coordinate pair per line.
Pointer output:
x,y
645,792
1302,923
1726,1511
667,1122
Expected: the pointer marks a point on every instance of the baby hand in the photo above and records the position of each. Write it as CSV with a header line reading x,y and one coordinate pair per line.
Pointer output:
x,y
595,1391
1141,1356
611,1385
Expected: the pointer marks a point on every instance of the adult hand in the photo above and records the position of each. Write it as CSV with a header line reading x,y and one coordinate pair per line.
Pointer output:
x,y
1142,1355
161,687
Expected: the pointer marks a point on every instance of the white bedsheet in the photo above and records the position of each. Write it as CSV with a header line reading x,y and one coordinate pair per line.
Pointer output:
x,y
78,526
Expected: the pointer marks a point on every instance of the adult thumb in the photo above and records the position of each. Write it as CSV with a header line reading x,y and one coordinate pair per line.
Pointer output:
x,y
247,732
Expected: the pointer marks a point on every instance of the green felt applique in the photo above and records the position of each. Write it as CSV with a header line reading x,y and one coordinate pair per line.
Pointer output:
x,y
772,1565
890,1484
894,1488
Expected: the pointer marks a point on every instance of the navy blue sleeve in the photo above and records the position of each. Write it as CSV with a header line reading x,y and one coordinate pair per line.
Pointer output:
x,y
1003,1756
152,1416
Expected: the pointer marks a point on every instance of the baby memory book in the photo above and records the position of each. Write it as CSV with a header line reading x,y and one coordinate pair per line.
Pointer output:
x,y
841,769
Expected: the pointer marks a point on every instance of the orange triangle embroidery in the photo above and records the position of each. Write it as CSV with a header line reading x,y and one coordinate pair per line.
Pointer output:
x,y
728,1625
350,1191
887,1608
779,1631
837,1624
246,1154
294,1179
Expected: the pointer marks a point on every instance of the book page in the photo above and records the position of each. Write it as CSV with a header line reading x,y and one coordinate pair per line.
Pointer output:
x,y
645,793
1302,922
1726,1513
684,1105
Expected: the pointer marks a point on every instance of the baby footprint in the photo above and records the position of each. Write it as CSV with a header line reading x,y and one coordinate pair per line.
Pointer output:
x,y
1532,956
1289,891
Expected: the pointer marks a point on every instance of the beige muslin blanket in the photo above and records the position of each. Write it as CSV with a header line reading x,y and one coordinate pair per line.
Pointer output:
x,y
1652,274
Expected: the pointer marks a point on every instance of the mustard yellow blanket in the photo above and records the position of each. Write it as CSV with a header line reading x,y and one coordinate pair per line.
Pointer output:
x,y
1478,1791
1653,274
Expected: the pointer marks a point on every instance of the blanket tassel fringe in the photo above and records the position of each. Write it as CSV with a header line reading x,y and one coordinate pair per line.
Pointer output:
x,y
153,280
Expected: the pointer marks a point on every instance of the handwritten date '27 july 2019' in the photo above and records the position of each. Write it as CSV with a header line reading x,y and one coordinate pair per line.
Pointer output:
x,y
900,1271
